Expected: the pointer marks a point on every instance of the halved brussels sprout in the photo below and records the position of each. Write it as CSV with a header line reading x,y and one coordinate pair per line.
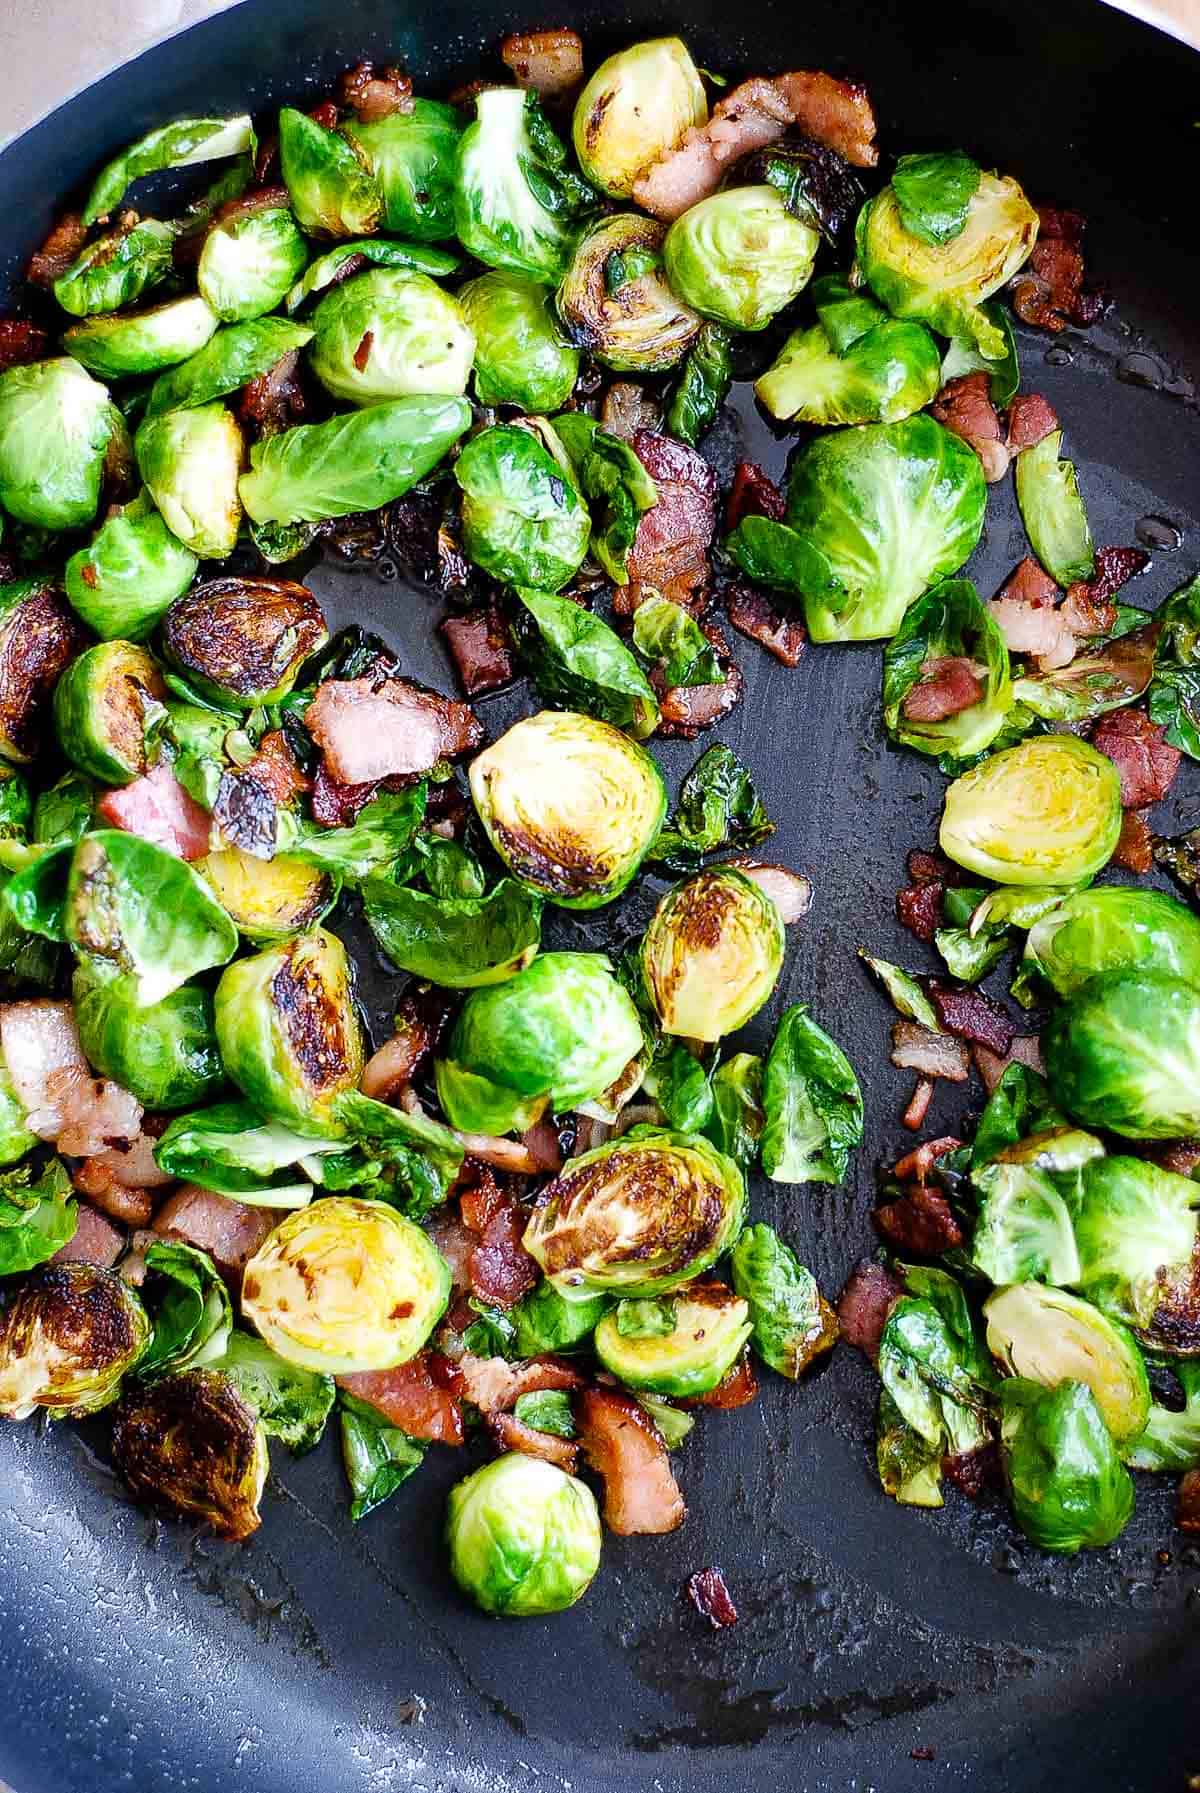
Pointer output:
x,y
615,301
38,636
1136,1226
521,356
413,156
164,1054
1123,1053
329,179
949,624
287,1030
523,517
180,144
523,1536
116,269
141,342
1047,811
67,1337
1023,1230
243,641
56,424
634,110
130,573
346,1285
740,256
248,263
269,899
558,1032
108,705
387,334
134,908
1048,1336
1114,928
190,461
884,372
945,284
792,1322
1068,1487
706,1332
712,954
229,360
579,837
328,269
510,206
456,942
193,1443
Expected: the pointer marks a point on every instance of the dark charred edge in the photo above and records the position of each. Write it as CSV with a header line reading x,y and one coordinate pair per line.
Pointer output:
x,y
38,639
190,1442
245,635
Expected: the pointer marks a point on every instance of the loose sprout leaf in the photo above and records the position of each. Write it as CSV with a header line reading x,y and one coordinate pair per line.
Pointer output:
x,y
948,624
493,1333
36,896
413,155
378,1457
117,269
909,1466
702,387
1171,1440
680,1085
932,1403
612,478
882,376
1053,513
736,1123
372,844
1003,371
36,1217
792,1324
544,1321
645,1319
718,807
420,258
1023,1230
1019,1106
934,192
1067,1485
672,1423
773,554
456,942
813,1104
230,1149
669,635
1174,699
424,1155
229,360
579,663
190,1308
292,1403
970,956
907,997
178,145
1105,677
548,1410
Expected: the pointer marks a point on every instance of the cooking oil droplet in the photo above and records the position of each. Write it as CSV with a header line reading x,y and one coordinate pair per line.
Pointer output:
x,y
1159,534
1140,370
1059,356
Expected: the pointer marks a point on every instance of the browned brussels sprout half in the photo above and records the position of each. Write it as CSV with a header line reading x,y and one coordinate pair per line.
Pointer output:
x,y
615,302
107,706
38,636
192,1443
243,641
67,1337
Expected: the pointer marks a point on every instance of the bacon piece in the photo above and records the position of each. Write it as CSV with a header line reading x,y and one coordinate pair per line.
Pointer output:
x,y
919,908
456,1243
1187,1505
275,400
754,615
1026,614
325,114
753,494
865,1303
420,1022
512,1434
946,687
369,728
480,647
132,1207
337,805
501,1270
1049,292
711,1598
1026,1050
494,1385
1088,608
670,550
919,1221
548,62
916,1165
1141,753
628,408
21,342
972,1016
158,809
374,96
837,113
791,892
1180,1155
1135,844
65,1104
410,1398
964,406
94,1241
1030,417
685,710
229,1231
918,1107
275,767
737,1388
544,1147
931,868
975,1473
60,249
621,1443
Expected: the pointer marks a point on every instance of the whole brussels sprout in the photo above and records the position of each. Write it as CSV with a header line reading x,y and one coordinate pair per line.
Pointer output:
x,y
130,573
639,1216
38,636
116,269
1050,1337
579,837
523,1536
1068,1487
68,1336
1115,928
1123,1053
107,706
288,1033
190,461
511,208
615,301
56,424
413,156
269,899
712,954
193,1443
560,1032
243,641
881,371
697,1337
346,1285
634,110
740,256
141,342
521,356
248,263
328,178
1135,1226
523,517
387,334
1047,811
165,1055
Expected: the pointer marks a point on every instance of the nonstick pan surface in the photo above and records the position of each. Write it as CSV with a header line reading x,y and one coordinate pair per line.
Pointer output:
x,y
878,1647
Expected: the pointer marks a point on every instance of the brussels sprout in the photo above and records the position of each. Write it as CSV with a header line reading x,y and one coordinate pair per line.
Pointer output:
x,y
1045,812
577,839
38,636
1123,1053
346,1285
193,1443
136,909
191,1309
907,997
423,1155
945,284
669,635
56,424
458,943
634,110
523,1537
229,360
1135,1224
1171,1440
1100,679
934,1392
36,1217
736,1123
327,269
1050,1337
117,269
577,660
706,1331
1068,1487
243,641
329,179
615,302
948,623
544,1321
268,900
521,357
610,474
909,1465
512,208
141,342
1115,928
231,1150
561,1031
523,518
641,1215
390,334
413,156
291,1403
718,807
1052,511
1004,372
69,1335
378,1458
287,1030
165,1055
107,709
812,1101
352,463
712,954
792,1321
1023,1231
249,262
886,374
680,1085
190,461
1019,1106
740,256
380,834
133,569
178,145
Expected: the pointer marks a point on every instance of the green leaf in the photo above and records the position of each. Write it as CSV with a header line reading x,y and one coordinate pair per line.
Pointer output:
x,y
190,1308
378,1457
378,837
718,807
908,998
579,663
934,193
680,1085
813,1104
36,1217
1004,373
736,1123
702,386
456,942
792,1324
1171,1441
614,481
670,636
672,1423
424,1155
177,145
547,1410
947,623
292,1403
771,553
1052,511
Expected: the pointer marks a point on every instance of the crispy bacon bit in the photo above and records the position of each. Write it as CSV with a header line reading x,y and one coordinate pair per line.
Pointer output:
x,y
362,353
21,342
1187,1506
753,494
914,1115
59,250
964,406
975,1473
931,868
480,648
410,1398
919,1221
836,113
1180,1155
275,767
972,1016
1089,609
374,96
946,687
737,1388
754,615
1026,614
1141,753
275,400
1026,1050
919,908
628,408
1030,417
420,1022
1135,844
709,1595
500,1269
64,1103
132,1207
670,550
337,805
1048,292
494,1385
543,1145
620,1442
456,1243
548,62
685,710
326,114
156,807
229,1231
915,1166
369,728
865,1303
512,1434
918,1048
94,1241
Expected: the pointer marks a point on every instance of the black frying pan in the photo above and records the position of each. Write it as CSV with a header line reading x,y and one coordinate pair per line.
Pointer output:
x,y
322,1658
